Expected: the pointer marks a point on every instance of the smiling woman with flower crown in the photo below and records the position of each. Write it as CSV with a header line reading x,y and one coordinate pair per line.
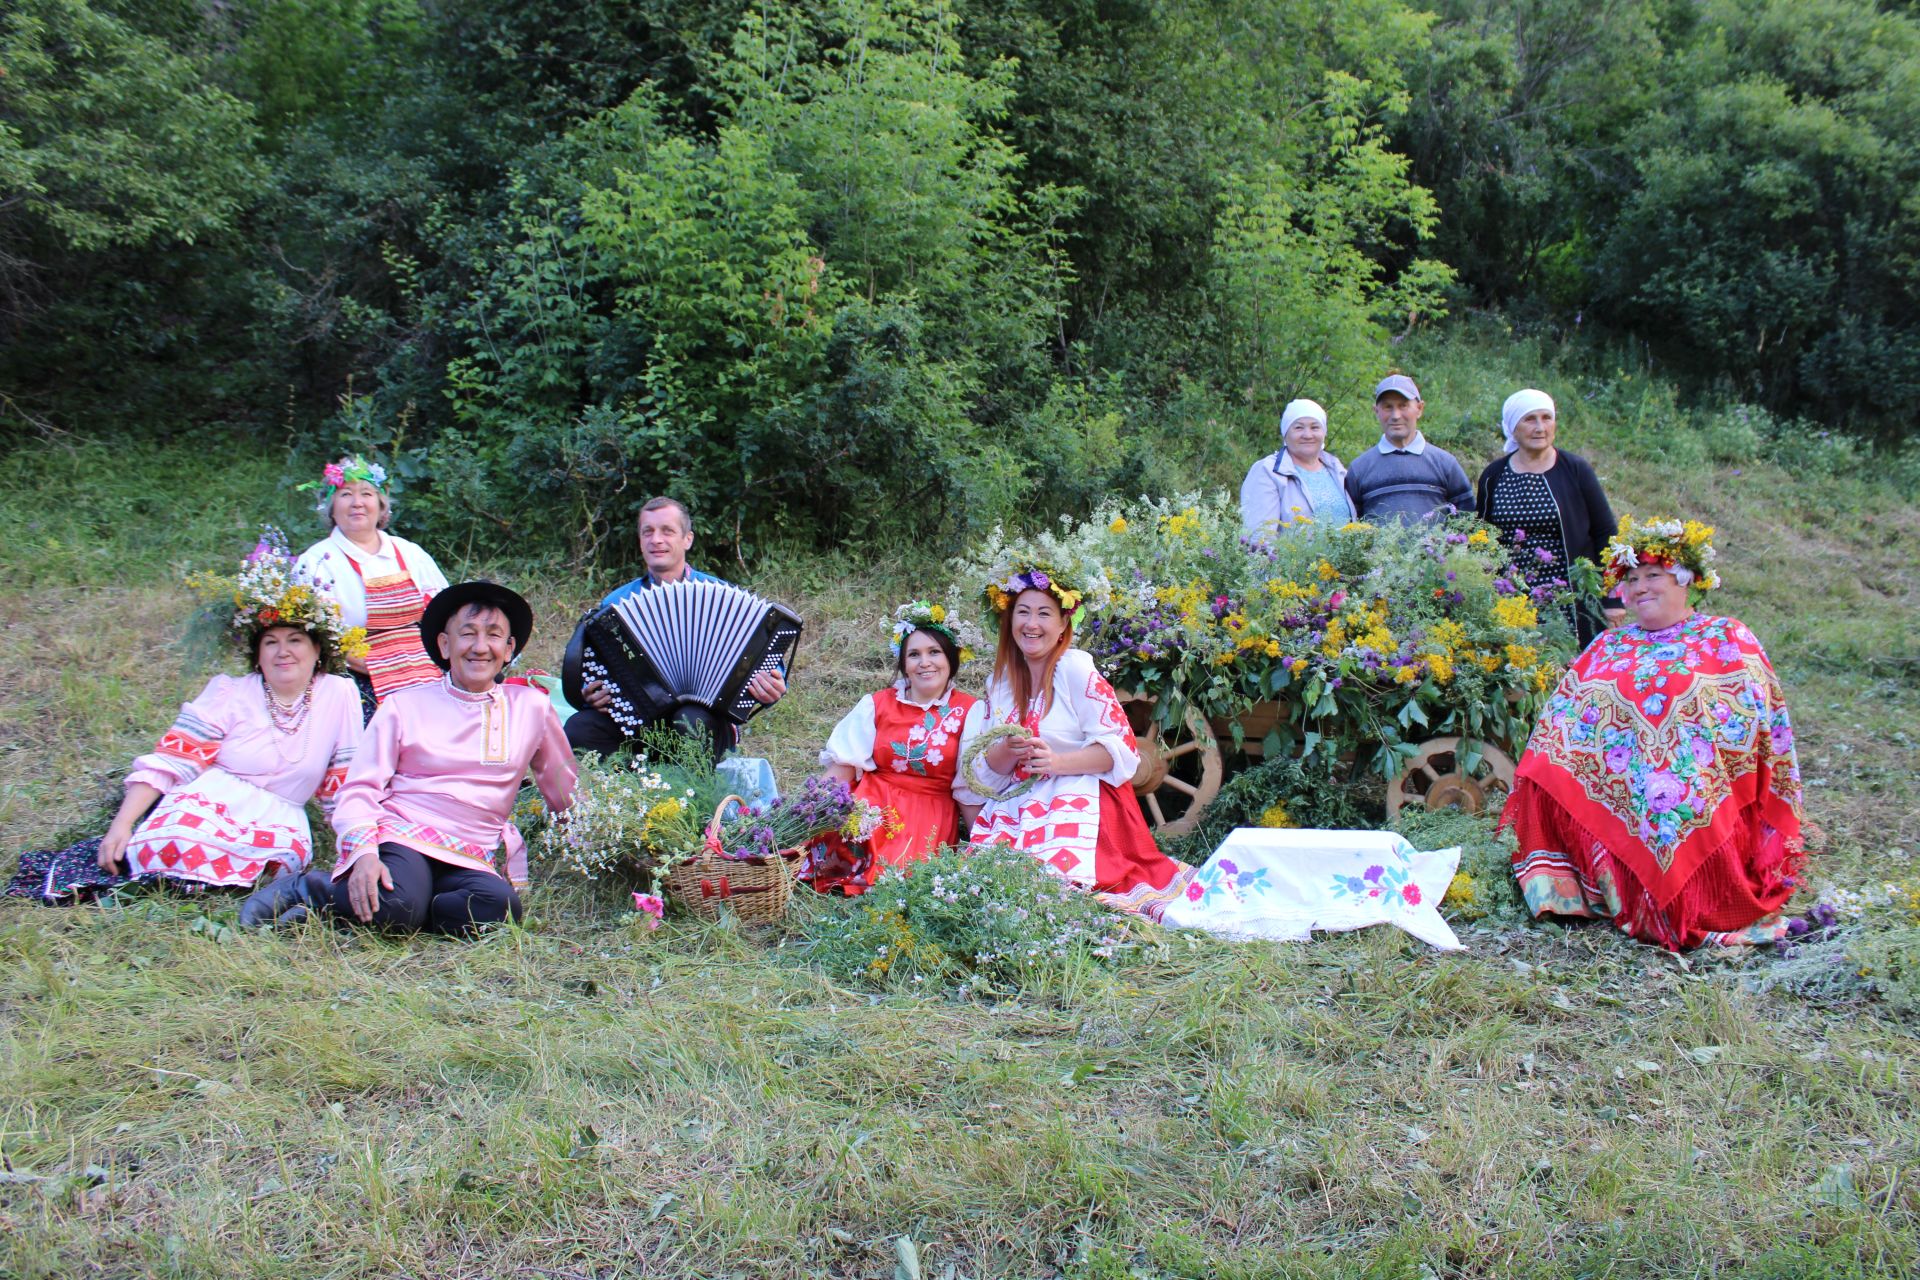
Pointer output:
x,y
1055,755
1659,789
228,782
899,748
381,582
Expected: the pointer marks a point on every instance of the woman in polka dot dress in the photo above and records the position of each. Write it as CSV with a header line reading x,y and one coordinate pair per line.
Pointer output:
x,y
1547,502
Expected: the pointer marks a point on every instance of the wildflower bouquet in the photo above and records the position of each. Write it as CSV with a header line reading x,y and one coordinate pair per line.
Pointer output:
x,y
619,805
821,806
1855,944
1366,638
265,591
980,918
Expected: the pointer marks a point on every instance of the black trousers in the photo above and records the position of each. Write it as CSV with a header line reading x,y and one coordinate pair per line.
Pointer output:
x,y
427,895
591,730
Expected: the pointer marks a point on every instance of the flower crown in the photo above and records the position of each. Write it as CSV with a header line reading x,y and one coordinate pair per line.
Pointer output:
x,y
1670,543
923,615
266,592
348,470
1035,576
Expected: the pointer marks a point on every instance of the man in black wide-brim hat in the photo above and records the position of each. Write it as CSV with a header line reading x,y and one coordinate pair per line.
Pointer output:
x,y
425,818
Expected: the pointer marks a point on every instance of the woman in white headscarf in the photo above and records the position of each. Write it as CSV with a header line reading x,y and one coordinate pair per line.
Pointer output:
x,y
1546,502
1300,480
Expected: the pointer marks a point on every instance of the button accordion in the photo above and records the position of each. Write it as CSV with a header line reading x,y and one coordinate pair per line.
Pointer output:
x,y
679,643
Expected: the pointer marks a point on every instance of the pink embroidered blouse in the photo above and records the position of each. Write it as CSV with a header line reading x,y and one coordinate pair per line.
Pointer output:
x,y
439,772
227,727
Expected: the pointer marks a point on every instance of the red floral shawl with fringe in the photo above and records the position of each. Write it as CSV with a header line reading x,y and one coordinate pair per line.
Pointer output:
x,y
1672,750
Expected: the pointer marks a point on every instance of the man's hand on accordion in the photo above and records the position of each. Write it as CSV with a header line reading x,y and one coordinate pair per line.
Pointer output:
x,y
766,688
597,695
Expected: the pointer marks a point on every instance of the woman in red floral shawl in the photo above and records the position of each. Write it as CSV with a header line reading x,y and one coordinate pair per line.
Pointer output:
x,y
900,749
1659,789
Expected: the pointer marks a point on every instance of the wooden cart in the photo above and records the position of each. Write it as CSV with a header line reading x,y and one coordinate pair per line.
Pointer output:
x,y
1181,770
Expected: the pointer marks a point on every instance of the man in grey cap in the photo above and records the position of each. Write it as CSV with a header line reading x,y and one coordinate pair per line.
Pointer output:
x,y
1404,477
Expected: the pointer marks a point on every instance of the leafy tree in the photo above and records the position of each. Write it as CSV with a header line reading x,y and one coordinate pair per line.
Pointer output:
x,y
110,141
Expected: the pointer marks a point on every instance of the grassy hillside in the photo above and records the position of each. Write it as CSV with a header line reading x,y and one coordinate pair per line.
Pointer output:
x,y
578,1099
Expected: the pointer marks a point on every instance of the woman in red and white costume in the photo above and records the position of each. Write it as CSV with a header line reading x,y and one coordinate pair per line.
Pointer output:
x,y
381,582
1066,774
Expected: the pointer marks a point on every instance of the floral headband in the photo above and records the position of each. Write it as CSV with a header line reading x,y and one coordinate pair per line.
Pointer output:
x,y
266,592
349,470
1037,576
1686,548
922,615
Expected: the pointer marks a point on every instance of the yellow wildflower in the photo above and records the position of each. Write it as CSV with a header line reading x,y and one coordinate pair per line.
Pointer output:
x,y
1441,665
1119,525
1461,891
1522,657
1406,674
1326,570
1514,611
1276,816
1273,648
1181,525
1297,665
938,613
1356,526
1478,538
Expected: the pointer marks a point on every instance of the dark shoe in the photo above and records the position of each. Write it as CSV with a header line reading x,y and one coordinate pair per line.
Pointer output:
x,y
275,904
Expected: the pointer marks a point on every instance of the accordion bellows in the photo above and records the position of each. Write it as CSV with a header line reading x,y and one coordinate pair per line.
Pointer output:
x,y
679,643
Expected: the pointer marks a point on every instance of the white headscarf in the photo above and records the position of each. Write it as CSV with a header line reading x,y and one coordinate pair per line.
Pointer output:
x,y
1518,406
1297,410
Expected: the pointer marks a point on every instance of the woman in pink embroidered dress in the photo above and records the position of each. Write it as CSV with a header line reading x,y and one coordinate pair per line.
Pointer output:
x,y
228,782
426,836
899,748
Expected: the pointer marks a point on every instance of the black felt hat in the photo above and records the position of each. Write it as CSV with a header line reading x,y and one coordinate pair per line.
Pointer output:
x,y
453,599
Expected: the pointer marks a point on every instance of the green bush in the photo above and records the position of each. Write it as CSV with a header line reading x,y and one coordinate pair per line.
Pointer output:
x,y
1484,888
1279,791
971,919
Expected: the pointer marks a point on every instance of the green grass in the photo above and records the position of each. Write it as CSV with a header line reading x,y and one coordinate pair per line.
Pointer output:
x,y
576,1098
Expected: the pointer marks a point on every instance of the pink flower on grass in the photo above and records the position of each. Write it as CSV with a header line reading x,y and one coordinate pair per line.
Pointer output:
x,y
651,908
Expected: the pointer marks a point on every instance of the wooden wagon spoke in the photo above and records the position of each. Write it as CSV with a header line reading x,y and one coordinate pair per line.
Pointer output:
x,y
1474,790
1173,802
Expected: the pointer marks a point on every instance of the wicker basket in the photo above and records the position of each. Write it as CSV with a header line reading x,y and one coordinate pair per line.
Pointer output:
x,y
756,890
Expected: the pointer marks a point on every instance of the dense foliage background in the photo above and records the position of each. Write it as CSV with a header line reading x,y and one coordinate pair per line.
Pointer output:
x,y
844,267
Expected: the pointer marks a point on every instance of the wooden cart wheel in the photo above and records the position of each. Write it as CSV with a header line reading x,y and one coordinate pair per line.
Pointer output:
x,y
1435,779
1179,773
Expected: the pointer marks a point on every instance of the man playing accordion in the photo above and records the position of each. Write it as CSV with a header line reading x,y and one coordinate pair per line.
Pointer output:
x,y
666,535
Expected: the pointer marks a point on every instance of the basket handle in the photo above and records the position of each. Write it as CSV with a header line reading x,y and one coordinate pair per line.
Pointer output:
x,y
713,825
